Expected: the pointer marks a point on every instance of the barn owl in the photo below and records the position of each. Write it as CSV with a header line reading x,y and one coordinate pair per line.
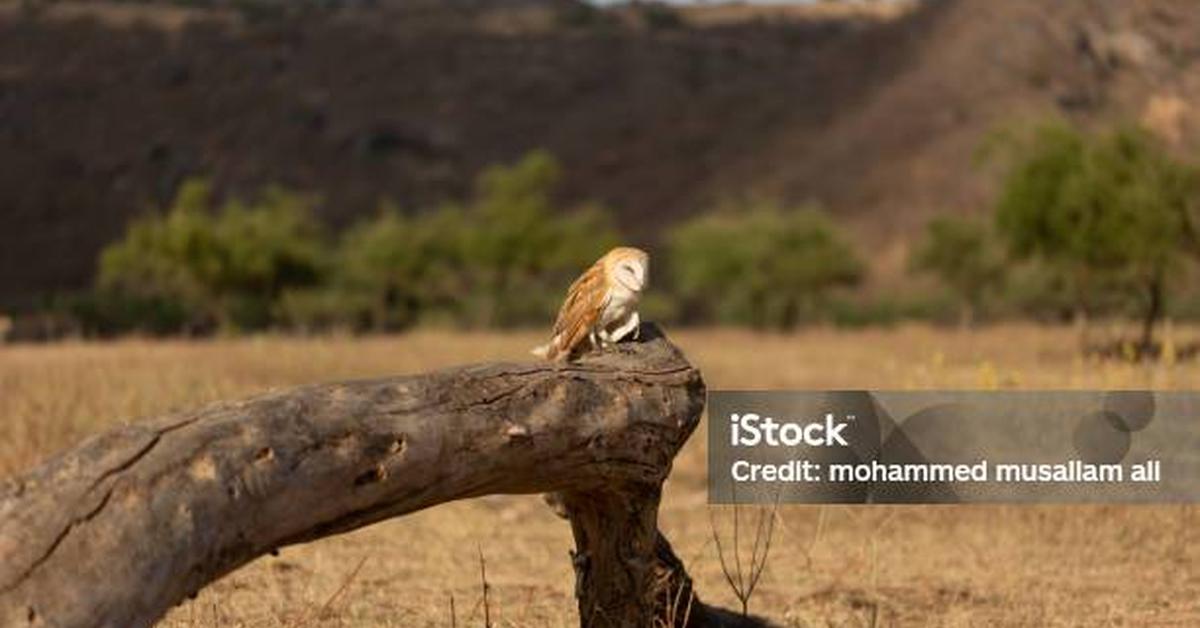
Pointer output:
x,y
601,306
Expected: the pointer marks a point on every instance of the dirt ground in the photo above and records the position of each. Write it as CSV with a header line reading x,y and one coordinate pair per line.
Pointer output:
x,y
829,565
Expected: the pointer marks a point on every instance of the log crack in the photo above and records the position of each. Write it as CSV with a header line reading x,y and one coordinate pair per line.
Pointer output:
x,y
58,540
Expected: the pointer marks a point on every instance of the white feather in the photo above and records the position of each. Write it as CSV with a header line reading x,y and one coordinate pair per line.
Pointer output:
x,y
542,351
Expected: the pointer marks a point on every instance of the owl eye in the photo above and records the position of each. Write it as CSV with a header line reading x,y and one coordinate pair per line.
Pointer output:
x,y
631,272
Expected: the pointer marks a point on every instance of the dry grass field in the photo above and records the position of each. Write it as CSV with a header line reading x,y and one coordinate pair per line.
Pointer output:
x,y
829,566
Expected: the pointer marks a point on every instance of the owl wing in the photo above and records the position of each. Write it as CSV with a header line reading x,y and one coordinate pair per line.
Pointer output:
x,y
586,300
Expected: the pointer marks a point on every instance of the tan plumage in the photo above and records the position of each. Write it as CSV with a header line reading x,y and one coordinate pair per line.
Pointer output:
x,y
600,307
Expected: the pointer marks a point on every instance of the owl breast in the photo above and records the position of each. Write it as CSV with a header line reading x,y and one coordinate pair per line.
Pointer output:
x,y
621,303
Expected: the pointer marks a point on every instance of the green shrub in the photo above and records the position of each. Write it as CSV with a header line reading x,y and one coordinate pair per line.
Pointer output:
x,y
766,267
962,254
110,312
395,270
201,269
502,259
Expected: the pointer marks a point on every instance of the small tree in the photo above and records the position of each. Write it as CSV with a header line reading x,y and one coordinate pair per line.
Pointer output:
x,y
766,267
962,254
1110,213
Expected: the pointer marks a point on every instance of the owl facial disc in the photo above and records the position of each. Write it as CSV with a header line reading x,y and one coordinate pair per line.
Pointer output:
x,y
631,275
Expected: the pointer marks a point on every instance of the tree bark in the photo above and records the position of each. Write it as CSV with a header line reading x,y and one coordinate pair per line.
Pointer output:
x,y
132,521
1154,308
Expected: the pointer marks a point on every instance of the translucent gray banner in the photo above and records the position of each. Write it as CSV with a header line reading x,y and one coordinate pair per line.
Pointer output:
x,y
954,446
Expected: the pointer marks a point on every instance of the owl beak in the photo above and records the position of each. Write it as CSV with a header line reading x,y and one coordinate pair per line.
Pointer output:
x,y
631,281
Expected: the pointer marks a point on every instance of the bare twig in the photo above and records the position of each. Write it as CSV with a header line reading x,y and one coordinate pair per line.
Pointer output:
x,y
737,553
671,607
675,604
758,563
304,619
744,582
721,555
487,611
687,612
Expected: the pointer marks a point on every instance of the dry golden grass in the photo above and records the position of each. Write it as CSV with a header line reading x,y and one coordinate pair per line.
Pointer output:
x,y
829,566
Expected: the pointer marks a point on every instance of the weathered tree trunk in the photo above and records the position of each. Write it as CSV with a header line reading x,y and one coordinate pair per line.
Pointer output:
x,y
132,521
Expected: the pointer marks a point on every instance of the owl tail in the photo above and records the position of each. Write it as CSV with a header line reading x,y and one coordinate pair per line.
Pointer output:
x,y
548,351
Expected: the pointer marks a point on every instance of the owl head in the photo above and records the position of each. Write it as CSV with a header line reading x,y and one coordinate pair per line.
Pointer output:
x,y
627,267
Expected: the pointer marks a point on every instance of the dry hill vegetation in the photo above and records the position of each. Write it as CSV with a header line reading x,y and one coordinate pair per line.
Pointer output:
x,y
875,116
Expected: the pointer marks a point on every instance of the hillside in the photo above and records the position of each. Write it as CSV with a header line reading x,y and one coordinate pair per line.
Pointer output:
x,y
876,118
910,148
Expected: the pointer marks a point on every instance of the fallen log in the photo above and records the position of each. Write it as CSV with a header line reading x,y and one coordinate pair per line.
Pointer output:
x,y
132,521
